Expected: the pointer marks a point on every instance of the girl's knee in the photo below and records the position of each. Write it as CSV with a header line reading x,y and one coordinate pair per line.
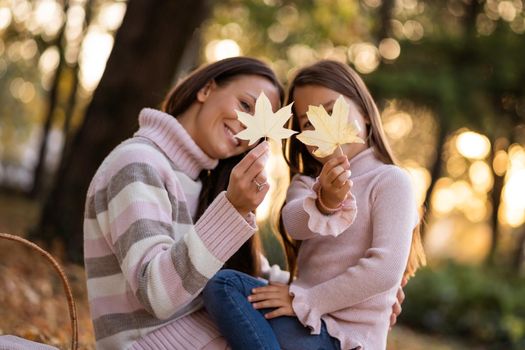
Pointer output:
x,y
226,274
219,280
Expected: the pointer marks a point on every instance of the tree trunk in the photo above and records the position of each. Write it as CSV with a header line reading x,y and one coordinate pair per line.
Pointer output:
x,y
519,255
435,173
384,24
72,98
40,168
148,47
495,196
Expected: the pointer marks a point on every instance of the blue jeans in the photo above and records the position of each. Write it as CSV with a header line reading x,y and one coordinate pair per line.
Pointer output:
x,y
244,327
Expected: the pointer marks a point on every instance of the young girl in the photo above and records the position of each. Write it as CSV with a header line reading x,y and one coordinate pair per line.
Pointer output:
x,y
161,217
356,220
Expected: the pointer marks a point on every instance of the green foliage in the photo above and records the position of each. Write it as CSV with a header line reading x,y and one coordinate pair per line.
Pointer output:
x,y
474,81
483,305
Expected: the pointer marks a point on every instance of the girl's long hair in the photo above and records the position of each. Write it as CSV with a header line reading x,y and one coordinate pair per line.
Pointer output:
x,y
180,98
344,80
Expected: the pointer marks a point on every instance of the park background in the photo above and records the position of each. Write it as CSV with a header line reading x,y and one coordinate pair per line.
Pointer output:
x,y
449,77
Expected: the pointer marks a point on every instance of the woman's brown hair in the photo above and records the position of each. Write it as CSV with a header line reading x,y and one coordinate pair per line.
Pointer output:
x,y
344,80
180,98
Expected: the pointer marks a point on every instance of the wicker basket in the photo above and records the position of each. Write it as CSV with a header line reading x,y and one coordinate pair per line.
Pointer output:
x,y
16,343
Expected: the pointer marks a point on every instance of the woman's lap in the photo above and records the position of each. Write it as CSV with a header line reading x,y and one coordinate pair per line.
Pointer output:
x,y
289,332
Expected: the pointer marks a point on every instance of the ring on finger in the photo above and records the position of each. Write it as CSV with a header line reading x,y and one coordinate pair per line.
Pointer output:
x,y
260,186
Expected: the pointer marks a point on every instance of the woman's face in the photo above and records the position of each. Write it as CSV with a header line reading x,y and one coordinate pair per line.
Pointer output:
x,y
216,122
316,95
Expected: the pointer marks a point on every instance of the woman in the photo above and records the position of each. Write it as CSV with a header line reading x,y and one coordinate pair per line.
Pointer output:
x,y
171,205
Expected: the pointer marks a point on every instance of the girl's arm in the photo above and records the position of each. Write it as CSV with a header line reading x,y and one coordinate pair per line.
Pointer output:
x,y
143,219
394,216
301,208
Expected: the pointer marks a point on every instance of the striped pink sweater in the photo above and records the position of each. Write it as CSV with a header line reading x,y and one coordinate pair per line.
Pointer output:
x,y
350,263
146,258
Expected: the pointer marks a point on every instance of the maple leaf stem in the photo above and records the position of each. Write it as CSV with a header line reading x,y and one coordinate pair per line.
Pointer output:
x,y
339,151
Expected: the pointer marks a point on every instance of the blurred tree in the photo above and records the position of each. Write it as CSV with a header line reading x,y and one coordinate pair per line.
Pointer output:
x,y
470,81
52,102
148,46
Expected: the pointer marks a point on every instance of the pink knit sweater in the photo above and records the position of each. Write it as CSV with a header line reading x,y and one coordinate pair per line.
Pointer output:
x,y
146,257
350,264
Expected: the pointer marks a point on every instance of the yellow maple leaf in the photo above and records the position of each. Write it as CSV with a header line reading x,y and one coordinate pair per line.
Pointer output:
x,y
265,123
330,131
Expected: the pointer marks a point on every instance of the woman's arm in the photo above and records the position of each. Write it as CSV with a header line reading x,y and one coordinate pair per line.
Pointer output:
x,y
165,258
394,216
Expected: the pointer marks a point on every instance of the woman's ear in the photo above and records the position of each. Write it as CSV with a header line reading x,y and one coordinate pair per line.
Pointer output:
x,y
205,91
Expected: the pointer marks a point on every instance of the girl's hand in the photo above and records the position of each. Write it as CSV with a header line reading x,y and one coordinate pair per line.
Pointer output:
x,y
334,181
248,185
396,308
275,295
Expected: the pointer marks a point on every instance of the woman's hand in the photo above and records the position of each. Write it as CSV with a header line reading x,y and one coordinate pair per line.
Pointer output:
x,y
275,295
334,181
248,185
396,308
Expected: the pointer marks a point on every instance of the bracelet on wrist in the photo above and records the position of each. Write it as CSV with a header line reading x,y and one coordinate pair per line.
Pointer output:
x,y
323,206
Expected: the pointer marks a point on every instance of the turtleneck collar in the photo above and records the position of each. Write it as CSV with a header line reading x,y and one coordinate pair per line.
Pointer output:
x,y
363,162
167,133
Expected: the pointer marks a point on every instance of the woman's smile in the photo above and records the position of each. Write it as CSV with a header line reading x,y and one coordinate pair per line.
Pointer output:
x,y
230,135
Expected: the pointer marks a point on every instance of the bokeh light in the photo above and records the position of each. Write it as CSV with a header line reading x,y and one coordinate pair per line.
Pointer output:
x,y
389,48
95,51
300,55
513,211
28,49
443,198
111,15
21,11
278,33
5,18
219,49
456,165
484,24
22,90
500,162
413,30
373,3
480,176
420,180
473,145
475,209
49,16
462,194
364,56
398,125
507,11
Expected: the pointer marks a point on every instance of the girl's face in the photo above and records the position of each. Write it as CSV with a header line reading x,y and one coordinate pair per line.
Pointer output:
x,y
215,121
316,95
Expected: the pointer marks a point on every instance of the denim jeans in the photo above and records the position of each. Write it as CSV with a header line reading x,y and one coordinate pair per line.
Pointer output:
x,y
244,327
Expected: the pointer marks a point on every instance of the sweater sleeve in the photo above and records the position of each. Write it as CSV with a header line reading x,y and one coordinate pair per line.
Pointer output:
x,y
394,217
300,208
165,257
